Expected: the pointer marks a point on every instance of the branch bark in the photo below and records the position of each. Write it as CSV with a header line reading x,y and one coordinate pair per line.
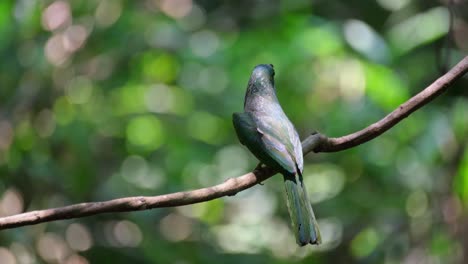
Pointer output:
x,y
315,142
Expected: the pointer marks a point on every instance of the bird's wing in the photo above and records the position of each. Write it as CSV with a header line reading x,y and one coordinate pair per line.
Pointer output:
x,y
277,151
283,130
267,147
245,127
297,146
279,137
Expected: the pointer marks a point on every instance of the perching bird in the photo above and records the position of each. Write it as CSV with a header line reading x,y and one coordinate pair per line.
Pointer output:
x,y
267,132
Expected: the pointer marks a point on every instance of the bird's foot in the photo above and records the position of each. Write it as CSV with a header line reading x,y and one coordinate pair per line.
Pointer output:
x,y
259,167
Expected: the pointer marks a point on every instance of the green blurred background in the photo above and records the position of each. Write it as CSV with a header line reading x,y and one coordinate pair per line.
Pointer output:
x,y
114,98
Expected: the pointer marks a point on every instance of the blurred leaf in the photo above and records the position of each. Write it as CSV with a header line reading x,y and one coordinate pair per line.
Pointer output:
x,y
145,133
384,87
419,29
206,127
159,67
320,41
364,243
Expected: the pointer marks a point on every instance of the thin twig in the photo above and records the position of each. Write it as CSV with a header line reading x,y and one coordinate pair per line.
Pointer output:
x,y
315,142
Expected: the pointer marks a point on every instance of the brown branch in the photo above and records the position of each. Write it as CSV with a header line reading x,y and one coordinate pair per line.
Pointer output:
x,y
403,111
228,188
315,142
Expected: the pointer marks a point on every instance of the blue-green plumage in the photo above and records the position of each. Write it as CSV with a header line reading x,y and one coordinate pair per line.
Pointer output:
x,y
267,132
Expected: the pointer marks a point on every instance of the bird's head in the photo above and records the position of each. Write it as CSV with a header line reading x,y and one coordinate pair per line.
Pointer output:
x,y
263,72
261,84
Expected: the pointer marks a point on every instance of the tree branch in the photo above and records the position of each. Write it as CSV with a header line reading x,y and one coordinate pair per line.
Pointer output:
x,y
315,142
403,111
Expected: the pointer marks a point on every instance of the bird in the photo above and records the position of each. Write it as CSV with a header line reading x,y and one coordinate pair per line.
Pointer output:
x,y
268,133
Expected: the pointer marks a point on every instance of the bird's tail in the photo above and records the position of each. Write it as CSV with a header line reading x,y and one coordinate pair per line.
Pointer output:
x,y
302,216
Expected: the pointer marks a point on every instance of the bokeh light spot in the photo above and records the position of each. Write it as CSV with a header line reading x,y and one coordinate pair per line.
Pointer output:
x,y
325,181
108,12
56,15
137,171
204,126
204,43
79,90
417,203
163,67
419,29
213,80
393,5
159,98
76,259
52,248
175,8
366,40
176,227
127,234
55,50
64,111
6,256
364,243
352,80
195,19
78,237
22,254
326,41
145,132
385,87
74,38
11,202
